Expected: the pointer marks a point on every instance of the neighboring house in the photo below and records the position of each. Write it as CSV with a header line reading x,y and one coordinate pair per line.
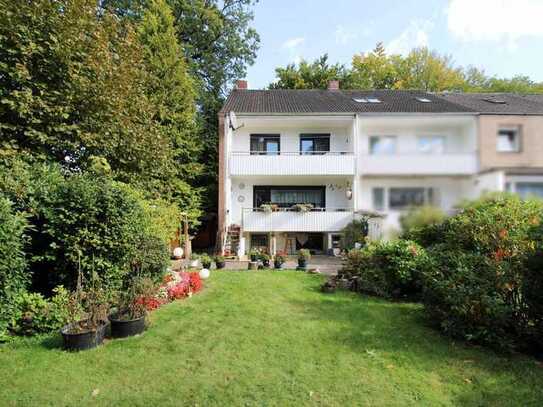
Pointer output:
x,y
349,153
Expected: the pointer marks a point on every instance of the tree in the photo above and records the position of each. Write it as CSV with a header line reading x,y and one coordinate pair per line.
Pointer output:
x,y
172,92
310,75
375,70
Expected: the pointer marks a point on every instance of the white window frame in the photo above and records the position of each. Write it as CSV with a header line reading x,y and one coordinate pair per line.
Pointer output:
x,y
382,136
434,136
517,142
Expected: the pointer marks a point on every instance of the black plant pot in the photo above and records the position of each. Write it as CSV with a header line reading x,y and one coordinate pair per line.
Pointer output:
x,y
206,265
302,264
278,264
254,257
123,328
83,340
220,264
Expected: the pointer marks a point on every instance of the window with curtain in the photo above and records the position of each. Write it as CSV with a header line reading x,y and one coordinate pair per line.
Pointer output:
x,y
431,144
383,145
508,140
265,144
285,197
314,143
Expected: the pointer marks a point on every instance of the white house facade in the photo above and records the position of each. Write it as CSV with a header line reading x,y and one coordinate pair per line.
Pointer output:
x,y
297,166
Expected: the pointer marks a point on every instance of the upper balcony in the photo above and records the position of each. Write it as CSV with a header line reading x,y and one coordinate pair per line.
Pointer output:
x,y
292,163
419,164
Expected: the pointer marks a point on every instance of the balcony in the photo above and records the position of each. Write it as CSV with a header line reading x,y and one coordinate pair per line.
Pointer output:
x,y
419,164
292,163
288,220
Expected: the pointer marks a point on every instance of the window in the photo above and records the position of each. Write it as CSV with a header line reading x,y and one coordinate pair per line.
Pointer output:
x,y
259,241
529,189
286,196
265,144
378,198
431,144
423,100
374,100
401,198
382,144
508,140
314,143
360,100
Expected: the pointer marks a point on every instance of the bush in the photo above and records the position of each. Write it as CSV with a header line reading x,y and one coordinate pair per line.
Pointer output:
x,y
388,269
483,281
13,275
37,315
354,232
419,217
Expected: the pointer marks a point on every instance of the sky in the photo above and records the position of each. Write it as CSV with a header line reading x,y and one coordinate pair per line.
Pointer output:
x,y
503,37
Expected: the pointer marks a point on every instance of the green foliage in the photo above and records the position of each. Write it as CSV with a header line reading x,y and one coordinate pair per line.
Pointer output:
x,y
419,217
304,255
13,273
38,315
484,268
354,232
314,75
205,259
420,69
388,269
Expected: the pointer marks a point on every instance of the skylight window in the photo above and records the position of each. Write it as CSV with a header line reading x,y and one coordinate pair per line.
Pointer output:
x,y
424,100
495,101
374,100
360,100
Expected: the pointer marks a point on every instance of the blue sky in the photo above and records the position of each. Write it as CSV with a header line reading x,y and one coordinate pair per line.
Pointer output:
x,y
504,37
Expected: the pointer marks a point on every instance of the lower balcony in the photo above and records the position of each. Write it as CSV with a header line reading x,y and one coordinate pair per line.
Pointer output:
x,y
289,220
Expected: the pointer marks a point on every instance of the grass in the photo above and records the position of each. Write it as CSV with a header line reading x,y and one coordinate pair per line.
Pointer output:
x,y
271,338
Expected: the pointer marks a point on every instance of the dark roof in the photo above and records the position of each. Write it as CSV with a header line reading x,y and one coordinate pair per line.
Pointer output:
x,y
337,101
498,103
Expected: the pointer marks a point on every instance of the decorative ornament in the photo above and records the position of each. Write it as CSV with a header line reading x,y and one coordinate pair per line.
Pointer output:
x,y
204,274
349,193
241,198
177,253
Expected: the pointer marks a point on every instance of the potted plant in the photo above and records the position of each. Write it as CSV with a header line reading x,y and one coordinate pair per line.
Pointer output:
x,y
219,261
302,207
206,261
278,261
265,259
254,254
129,314
194,260
303,257
87,311
266,208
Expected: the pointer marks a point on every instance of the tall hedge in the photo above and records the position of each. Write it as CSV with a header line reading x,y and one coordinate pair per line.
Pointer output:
x,y
13,273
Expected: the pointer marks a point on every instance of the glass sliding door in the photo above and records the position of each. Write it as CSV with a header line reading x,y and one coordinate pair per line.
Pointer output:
x,y
265,144
314,144
287,196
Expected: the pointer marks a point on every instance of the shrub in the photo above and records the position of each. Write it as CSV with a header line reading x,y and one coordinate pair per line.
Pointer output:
x,y
420,217
205,259
387,269
151,257
37,315
13,275
304,255
354,232
470,296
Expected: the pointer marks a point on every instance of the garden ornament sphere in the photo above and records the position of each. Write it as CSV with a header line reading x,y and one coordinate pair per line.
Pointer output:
x,y
204,274
178,252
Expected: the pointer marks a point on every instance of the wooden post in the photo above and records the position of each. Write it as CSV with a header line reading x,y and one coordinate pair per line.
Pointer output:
x,y
188,248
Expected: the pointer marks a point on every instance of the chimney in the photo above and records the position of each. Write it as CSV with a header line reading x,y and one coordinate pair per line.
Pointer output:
x,y
241,84
333,85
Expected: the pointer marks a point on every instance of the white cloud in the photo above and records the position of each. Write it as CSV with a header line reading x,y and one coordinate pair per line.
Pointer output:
x,y
495,20
292,43
344,35
415,35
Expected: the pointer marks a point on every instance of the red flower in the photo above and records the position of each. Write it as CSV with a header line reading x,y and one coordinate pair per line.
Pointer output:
x,y
503,234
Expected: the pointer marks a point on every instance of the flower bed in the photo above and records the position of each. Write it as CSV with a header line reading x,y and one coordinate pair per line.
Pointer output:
x,y
176,285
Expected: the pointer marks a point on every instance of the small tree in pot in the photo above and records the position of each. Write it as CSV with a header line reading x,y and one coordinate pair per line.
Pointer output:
x,y
303,257
265,259
279,260
219,262
129,316
254,254
206,261
87,312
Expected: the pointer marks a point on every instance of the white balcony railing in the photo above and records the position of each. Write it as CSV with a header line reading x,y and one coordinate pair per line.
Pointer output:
x,y
288,220
292,163
419,164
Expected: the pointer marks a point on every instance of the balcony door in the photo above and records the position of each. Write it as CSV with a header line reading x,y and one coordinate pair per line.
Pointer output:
x,y
287,196
265,144
314,144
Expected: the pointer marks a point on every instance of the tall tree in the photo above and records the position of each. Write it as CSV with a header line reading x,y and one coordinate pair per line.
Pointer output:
x,y
172,92
310,75
375,70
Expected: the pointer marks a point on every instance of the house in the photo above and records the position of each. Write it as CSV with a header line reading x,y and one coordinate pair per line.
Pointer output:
x,y
296,166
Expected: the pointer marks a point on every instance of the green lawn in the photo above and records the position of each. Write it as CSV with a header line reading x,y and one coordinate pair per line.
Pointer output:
x,y
271,338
